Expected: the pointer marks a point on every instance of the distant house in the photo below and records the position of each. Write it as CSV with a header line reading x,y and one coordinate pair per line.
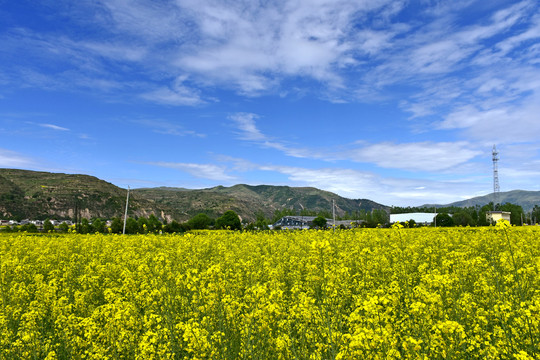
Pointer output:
x,y
294,222
494,216
419,218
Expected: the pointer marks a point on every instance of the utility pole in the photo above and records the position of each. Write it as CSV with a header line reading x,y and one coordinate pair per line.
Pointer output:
x,y
334,213
75,213
125,215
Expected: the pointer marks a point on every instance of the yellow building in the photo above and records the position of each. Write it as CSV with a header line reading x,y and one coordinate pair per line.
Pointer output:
x,y
494,216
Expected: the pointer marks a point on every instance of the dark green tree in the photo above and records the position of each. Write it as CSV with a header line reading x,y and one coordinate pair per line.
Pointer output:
x,y
535,215
99,225
85,227
31,228
261,222
132,227
411,223
142,224
463,218
48,226
319,222
154,225
445,220
63,227
175,227
229,220
117,226
200,221
516,212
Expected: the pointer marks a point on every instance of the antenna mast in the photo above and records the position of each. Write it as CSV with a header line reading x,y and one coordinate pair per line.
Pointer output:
x,y
496,188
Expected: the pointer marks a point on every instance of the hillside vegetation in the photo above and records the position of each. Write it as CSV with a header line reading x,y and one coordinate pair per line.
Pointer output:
x,y
39,195
526,199
28,194
247,201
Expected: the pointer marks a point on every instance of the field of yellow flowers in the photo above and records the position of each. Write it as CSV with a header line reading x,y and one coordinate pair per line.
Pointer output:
x,y
452,293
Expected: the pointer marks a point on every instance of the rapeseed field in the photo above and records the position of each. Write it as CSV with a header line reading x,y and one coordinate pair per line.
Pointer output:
x,y
452,293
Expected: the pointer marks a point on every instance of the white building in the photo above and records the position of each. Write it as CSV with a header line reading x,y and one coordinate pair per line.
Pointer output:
x,y
494,216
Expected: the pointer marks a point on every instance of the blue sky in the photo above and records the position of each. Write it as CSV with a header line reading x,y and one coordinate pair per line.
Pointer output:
x,y
395,101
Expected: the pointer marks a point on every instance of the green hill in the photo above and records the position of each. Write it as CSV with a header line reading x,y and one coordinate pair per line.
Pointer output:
x,y
526,199
28,194
247,200
39,195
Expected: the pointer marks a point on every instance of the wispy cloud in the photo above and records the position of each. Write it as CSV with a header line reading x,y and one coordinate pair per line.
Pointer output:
x,y
498,122
175,94
12,159
248,131
386,190
420,156
203,171
247,127
167,128
54,127
253,47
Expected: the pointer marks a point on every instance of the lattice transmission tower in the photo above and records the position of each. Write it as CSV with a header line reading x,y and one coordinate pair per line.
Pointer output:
x,y
496,188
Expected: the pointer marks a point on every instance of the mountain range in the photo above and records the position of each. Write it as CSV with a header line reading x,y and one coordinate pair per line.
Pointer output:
x,y
26,194
36,195
526,199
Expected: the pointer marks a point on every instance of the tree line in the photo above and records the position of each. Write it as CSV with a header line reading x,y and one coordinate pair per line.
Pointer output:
x,y
460,216
139,225
474,215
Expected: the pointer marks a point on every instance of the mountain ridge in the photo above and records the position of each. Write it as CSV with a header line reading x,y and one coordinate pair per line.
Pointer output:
x,y
527,199
40,195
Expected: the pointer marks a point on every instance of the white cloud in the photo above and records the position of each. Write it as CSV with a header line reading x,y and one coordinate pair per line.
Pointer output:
x,y
248,129
498,123
421,156
263,43
12,159
54,127
349,46
176,94
203,171
167,128
116,51
385,190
